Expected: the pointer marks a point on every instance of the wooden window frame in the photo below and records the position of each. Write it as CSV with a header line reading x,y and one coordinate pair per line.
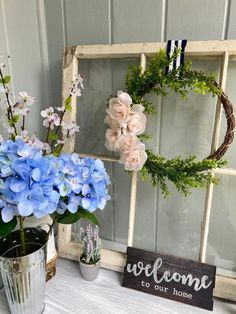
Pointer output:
x,y
68,247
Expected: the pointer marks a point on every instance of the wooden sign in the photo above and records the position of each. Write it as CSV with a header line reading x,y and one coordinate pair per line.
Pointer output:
x,y
170,277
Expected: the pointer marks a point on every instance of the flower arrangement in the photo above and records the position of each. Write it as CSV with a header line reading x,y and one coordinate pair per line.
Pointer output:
x,y
127,123
36,178
91,244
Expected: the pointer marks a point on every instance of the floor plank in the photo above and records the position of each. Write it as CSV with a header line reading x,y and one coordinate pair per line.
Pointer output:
x,y
68,293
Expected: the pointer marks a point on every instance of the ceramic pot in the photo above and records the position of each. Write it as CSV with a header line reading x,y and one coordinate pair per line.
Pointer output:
x,y
24,274
89,272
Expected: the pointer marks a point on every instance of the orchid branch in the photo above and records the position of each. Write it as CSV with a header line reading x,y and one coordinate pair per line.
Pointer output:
x,y
9,110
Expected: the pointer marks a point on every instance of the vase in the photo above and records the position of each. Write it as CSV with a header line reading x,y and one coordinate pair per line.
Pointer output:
x,y
51,248
24,275
89,272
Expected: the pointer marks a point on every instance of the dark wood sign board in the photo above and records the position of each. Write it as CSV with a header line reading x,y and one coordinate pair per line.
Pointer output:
x,y
170,277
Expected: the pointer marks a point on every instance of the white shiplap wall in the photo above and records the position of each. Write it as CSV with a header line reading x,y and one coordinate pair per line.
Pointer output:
x,y
33,34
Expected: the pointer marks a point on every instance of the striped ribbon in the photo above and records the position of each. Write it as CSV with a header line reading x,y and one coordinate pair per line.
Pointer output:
x,y
172,46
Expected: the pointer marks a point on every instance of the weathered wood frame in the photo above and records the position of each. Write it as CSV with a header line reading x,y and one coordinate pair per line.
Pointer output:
x,y
67,245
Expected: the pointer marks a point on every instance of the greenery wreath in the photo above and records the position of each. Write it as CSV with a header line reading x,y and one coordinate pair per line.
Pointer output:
x,y
183,173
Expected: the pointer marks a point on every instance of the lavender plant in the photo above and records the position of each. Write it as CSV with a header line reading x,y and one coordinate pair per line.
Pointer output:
x,y
91,244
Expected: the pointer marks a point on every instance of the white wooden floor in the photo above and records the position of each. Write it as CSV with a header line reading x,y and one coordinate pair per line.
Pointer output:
x,y
68,293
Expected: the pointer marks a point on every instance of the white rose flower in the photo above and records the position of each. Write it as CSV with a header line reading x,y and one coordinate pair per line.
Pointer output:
x,y
137,123
135,159
119,111
112,135
137,108
124,97
111,122
126,143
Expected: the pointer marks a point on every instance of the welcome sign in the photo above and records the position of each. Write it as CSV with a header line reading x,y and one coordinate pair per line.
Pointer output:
x,y
170,277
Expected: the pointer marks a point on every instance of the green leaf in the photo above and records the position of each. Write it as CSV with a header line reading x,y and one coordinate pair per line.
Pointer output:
x,y
88,216
7,227
6,79
68,104
69,218
14,120
57,150
53,136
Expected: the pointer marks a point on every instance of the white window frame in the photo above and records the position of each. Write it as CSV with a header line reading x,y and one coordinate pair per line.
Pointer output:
x,y
68,247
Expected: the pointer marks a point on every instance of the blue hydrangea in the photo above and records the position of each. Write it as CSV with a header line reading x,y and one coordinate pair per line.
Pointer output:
x,y
83,182
28,181
33,184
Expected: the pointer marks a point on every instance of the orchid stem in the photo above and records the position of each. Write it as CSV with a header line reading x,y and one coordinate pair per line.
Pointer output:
x,y
9,110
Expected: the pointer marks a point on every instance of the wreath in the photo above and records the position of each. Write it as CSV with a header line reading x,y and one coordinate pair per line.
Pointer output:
x,y
127,122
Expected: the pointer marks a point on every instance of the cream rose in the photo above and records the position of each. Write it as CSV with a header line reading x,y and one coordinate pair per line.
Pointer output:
x,y
124,97
126,142
119,111
137,108
112,137
135,159
137,123
111,122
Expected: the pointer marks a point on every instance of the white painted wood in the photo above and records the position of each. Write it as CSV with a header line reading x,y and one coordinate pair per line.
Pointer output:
x,y
109,259
68,293
70,70
227,171
194,48
225,288
133,194
214,144
132,208
64,238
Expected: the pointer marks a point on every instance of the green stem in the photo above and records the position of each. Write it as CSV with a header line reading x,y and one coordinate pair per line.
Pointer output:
x,y
22,236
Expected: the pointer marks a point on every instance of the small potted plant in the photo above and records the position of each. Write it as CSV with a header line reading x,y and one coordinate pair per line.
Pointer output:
x,y
90,258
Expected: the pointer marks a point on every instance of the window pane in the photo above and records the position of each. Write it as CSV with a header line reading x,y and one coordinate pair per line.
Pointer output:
x,y
221,249
231,92
102,78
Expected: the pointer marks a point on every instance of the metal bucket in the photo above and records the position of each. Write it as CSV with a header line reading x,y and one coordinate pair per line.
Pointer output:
x,y
24,276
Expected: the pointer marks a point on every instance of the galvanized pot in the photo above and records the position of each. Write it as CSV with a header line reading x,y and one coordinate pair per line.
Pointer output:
x,y
24,276
89,271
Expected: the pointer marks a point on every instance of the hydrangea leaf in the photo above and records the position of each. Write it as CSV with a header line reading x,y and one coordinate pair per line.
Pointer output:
x,y
69,218
7,228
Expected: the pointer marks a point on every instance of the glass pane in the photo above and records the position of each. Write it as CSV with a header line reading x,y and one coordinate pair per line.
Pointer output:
x,y
221,249
102,78
231,92
186,129
113,219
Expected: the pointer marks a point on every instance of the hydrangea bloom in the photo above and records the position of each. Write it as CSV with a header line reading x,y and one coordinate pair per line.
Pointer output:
x,y
28,181
84,183
34,184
